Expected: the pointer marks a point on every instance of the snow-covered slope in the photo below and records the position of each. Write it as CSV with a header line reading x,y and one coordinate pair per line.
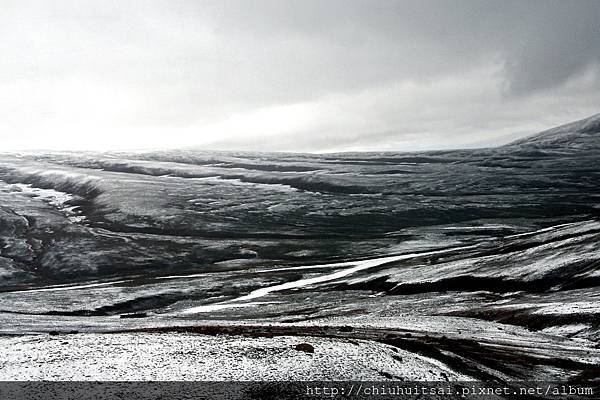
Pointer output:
x,y
583,134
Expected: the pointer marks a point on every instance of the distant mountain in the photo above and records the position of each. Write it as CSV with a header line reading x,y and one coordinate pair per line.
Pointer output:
x,y
582,135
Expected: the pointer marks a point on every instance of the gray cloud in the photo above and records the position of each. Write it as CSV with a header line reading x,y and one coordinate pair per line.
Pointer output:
x,y
557,42
143,68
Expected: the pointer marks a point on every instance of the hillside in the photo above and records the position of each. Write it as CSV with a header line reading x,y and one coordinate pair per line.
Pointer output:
x,y
582,135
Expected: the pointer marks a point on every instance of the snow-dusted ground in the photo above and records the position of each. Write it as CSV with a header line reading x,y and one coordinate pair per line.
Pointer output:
x,y
486,261
182,357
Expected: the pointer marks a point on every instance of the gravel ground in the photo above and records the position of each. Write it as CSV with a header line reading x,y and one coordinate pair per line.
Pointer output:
x,y
189,357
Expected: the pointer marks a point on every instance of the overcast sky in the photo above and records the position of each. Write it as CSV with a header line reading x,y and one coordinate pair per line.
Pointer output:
x,y
322,75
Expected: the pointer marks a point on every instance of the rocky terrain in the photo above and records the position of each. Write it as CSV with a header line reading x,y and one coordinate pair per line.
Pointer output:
x,y
448,265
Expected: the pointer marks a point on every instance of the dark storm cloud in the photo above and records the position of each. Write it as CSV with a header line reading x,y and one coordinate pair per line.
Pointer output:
x,y
557,41
332,73
542,43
